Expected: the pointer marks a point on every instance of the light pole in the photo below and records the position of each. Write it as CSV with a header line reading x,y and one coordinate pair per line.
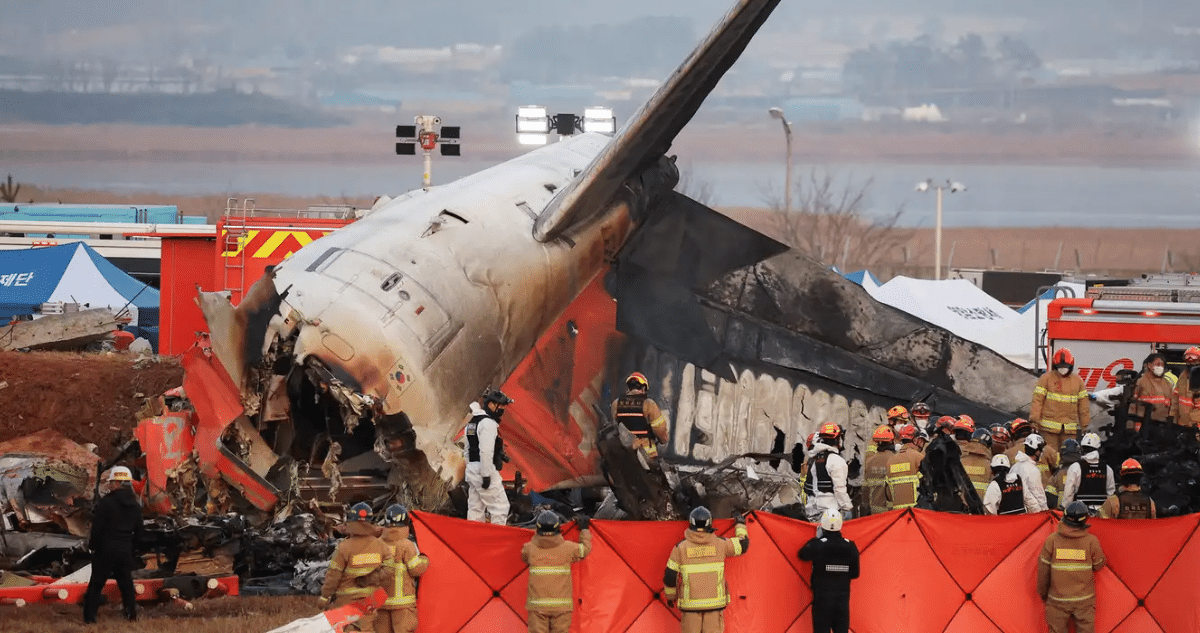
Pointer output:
x,y
954,187
777,113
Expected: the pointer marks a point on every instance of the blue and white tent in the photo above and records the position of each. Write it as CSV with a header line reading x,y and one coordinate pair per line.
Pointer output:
x,y
71,273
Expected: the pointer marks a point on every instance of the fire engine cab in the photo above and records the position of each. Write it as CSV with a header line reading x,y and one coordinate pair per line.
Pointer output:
x,y
1114,327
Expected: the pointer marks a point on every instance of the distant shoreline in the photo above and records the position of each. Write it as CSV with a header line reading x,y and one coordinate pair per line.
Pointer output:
x,y
371,142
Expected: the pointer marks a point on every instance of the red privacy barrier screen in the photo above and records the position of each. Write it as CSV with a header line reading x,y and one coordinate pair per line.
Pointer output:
x,y
922,572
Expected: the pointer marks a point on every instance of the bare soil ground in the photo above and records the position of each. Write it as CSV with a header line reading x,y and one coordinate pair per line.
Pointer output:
x,y
220,615
86,397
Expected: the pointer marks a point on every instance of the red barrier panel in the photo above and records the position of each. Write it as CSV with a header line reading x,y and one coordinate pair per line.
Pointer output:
x,y
921,571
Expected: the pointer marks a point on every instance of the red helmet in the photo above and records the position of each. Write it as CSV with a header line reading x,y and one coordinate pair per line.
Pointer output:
x,y
812,437
921,410
884,434
1131,466
964,423
908,433
829,431
637,381
1063,356
1000,434
898,413
1021,427
946,422
1192,353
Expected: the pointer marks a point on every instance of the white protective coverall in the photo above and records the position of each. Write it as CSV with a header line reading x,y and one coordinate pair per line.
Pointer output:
x,y
839,499
489,502
1031,478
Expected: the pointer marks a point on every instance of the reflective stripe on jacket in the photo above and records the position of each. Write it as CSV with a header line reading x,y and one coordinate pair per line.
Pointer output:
x,y
406,563
1060,403
700,561
977,462
1185,404
1068,564
903,477
875,481
550,557
359,555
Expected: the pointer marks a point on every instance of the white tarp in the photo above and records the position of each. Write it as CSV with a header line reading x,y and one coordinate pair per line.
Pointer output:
x,y
83,283
966,310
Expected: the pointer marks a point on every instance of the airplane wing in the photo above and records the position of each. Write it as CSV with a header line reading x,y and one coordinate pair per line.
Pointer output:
x,y
649,134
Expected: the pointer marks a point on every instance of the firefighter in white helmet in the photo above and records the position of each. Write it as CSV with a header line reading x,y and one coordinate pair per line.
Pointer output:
x,y
1088,480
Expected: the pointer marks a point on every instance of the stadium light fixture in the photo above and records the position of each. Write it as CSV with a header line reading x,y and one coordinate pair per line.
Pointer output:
x,y
599,120
954,187
532,125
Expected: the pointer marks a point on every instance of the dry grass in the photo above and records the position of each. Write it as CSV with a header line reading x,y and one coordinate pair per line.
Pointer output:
x,y
221,615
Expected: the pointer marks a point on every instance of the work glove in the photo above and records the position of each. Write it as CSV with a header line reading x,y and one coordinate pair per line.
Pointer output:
x,y
487,483
739,518
583,521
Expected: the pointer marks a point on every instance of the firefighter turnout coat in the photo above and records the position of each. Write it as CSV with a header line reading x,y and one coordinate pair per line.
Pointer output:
x,y
977,461
1185,401
1060,403
361,554
1066,578
1129,503
875,481
399,613
695,575
643,419
1153,394
550,557
904,477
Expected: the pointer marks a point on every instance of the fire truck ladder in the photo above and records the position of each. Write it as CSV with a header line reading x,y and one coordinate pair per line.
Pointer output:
x,y
1041,347
233,246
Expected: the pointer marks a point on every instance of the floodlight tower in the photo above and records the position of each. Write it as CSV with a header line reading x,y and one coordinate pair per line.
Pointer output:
x,y
425,133
534,124
954,187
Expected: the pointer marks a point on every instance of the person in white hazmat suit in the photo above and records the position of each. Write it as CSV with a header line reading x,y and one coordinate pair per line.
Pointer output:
x,y
486,499
825,481
1088,480
1025,467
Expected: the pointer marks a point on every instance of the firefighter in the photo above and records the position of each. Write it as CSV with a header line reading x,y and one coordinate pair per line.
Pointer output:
x,y
1088,480
486,498
695,574
1069,454
1152,393
550,556
399,613
943,426
1067,567
1005,494
116,528
876,470
962,429
1000,439
641,417
904,470
1025,468
834,561
1130,502
1047,464
1060,401
921,440
944,484
977,460
825,479
897,416
1185,400
360,556
920,415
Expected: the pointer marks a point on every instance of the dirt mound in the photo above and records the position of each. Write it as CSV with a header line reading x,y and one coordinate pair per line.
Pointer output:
x,y
86,397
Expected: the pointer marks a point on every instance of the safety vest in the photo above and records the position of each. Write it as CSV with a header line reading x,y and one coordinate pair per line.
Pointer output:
x,y
472,435
818,470
1134,504
1012,496
631,413
1093,483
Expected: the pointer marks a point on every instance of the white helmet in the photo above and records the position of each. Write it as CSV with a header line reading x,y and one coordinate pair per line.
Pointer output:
x,y
120,473
1035,441
831,521
1001,461
1091,440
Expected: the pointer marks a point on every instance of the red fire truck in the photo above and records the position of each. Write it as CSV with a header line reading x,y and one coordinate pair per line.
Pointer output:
x,y
1114,327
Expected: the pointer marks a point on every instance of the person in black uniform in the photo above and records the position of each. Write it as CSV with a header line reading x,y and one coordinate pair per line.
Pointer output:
x,y
835,564
116,526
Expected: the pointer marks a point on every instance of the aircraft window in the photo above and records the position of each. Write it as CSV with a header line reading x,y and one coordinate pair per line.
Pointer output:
x,y
403,295
391,282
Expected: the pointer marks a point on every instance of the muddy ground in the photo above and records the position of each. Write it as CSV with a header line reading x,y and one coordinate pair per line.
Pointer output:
x,y
220,615
86,397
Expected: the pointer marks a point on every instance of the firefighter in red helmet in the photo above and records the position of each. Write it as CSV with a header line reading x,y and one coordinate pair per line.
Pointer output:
x,y
876,469
641,417
825,480
1060,401
1129,502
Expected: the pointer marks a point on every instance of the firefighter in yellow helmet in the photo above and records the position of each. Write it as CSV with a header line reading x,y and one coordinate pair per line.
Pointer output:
x,y
1185,401
903,470
897,416
1129,502
641,417
695,575
399,613
1060,401
360,556
876,469
550,599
